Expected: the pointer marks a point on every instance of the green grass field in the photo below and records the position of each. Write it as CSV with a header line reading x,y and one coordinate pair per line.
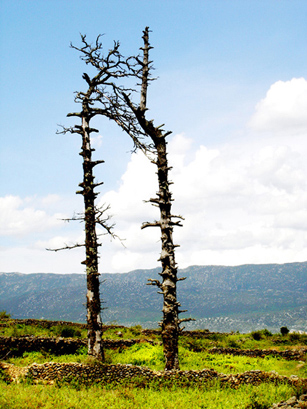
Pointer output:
x,y
16,396
194,354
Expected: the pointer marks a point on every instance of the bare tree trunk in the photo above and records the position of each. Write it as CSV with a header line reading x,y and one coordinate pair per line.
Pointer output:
x,y
91,245
109,68
168,286
91,217
170,321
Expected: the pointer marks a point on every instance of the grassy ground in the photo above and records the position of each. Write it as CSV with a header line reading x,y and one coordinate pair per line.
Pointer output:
x,y
19,396
152,357
194,354
262,339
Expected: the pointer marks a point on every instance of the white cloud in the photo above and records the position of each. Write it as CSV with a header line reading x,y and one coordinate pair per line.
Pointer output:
x,y
96,140
137,185
28,259
278,168
238,201
283,109
19,217
243,202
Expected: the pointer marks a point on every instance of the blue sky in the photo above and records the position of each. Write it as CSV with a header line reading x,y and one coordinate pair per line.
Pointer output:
x,y
215,61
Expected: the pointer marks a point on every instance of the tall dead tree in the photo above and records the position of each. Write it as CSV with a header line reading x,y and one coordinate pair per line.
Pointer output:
x,y
112,67
93,303
132,119
116,102
168,284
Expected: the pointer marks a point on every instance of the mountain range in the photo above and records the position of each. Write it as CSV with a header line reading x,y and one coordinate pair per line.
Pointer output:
x,y
220,298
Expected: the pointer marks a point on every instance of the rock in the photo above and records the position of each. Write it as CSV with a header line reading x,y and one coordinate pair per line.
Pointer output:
x,y
291,401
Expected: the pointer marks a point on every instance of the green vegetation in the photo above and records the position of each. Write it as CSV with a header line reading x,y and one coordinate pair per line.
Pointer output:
x,y
3,314
262,339
19,396
125,333
284,330
12,328
258,335
194,354
18,329
151,356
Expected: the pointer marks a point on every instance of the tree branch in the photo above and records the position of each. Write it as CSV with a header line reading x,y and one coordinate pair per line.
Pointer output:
x,y
148,224
67,247
154,282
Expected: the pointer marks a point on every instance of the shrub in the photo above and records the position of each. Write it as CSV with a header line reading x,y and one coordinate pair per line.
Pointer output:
x,y
194,345
136,330
69,332
266,332
4,314
294,336
284,331
256,335
233,344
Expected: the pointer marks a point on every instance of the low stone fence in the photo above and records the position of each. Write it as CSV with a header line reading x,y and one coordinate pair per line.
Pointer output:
x,y
16,346
292,403
289,354
42,323
199,333
48,324
105,374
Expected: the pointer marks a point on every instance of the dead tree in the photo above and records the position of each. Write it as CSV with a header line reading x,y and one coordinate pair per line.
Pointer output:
x,y
168,285
112,67
132,119
116,102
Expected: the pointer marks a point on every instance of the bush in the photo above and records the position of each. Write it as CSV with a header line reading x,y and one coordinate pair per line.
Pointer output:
x,y
256,335
294,336
3,314
136,330
233,344
266,332
69,332
284,331
192,344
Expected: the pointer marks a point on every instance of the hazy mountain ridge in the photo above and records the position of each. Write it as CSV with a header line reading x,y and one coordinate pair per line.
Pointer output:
x,y
221,298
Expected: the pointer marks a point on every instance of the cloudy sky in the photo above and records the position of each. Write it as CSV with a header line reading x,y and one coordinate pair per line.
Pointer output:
x,y
232,87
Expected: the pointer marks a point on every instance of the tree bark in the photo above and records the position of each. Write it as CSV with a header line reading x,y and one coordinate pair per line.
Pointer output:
x,y
91,245
170,322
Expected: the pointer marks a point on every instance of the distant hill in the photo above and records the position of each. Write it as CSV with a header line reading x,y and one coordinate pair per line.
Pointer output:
x,y
220,298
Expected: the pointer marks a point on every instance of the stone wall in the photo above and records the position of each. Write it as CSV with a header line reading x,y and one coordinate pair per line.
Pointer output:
x,y
289,354
201,333
42,323
51,372
16,346
6,322
292,403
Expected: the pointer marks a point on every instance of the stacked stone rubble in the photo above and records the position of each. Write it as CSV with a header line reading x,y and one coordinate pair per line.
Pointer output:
x,y
119,373
289,354
16,346
292,403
